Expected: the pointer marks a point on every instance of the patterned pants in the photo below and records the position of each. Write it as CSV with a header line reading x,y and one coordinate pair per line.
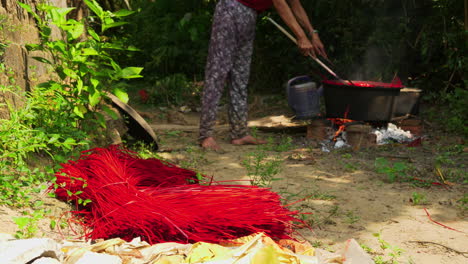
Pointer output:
x,y
229,58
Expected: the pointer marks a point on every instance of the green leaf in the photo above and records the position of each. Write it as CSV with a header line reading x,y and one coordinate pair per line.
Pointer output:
x,y
79,110
90,51
110,112
59,15
69,141
33,47
38,203
111,25
53,139
113,46
94,98
93,34
21,222
133,48
70,73
76,31
94,6
43,60
29,10
123,13
115,66
53,224
94,82
131,72
122,95
79,85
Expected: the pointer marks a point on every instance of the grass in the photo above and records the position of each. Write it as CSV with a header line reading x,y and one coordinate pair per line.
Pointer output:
x,y
418,199
462,204
351,217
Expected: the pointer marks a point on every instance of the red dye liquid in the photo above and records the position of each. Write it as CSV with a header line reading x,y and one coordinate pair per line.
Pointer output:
x,y
396,83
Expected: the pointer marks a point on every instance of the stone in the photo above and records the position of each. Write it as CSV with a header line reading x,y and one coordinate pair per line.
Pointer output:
x,y
26,250
317,129
46,260
93,257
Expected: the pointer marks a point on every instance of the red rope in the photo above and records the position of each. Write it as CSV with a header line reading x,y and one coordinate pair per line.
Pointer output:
x,y
429,216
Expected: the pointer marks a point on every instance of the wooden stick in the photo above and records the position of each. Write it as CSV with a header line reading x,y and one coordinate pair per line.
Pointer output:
x,y
295,41
434,243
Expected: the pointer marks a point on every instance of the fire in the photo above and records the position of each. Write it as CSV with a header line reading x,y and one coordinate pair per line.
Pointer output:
x,y
340,122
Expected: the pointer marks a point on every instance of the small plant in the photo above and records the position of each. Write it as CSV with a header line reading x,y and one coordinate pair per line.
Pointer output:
x,y
195,157
317,244
393,171
367,248
145,150
285,143
173,133
317,220
394,252
351,218
346,156
350,167
463,204
418,198
261,168
28,225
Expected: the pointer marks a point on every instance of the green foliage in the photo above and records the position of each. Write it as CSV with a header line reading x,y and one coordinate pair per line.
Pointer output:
x,y
462,204
418,198
351,217
28,225
317,220
394,172
423,42
394,252
173,89
82,62
285,143
449,164
31,131
58,117
173,37
451,109
261,167
194,158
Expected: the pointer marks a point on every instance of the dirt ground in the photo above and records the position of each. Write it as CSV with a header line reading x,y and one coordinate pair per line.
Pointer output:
x,y
346,196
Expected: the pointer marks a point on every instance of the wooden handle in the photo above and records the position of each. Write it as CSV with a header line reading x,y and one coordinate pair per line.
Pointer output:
x,y
295,41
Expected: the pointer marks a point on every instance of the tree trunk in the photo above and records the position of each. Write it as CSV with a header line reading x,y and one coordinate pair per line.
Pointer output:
x,y
18,28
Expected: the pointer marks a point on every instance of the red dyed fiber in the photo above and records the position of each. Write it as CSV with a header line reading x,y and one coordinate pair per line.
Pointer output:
x,y
161,202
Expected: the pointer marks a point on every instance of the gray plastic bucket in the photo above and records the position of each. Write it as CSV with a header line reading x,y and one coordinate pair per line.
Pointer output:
x,y
303,97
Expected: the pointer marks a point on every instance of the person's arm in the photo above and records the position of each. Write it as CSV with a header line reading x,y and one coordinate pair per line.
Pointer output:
x,y
304,21
288,17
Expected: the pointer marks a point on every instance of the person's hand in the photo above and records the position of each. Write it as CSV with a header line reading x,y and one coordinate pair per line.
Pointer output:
x,y
306,46
318,46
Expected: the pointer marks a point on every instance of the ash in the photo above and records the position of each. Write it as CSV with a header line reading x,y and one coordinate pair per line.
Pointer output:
x,y
385,135
392,134
328,144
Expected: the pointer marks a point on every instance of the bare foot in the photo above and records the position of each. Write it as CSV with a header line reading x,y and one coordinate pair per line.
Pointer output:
x,y
248,140
209,143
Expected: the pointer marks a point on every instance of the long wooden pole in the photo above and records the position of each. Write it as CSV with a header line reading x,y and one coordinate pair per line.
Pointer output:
x,y
295,41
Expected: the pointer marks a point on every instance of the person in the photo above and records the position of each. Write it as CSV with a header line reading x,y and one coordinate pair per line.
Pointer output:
x,y
229,58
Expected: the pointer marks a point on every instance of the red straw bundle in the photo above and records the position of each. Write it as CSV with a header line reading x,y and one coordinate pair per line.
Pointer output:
x,y
154,200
